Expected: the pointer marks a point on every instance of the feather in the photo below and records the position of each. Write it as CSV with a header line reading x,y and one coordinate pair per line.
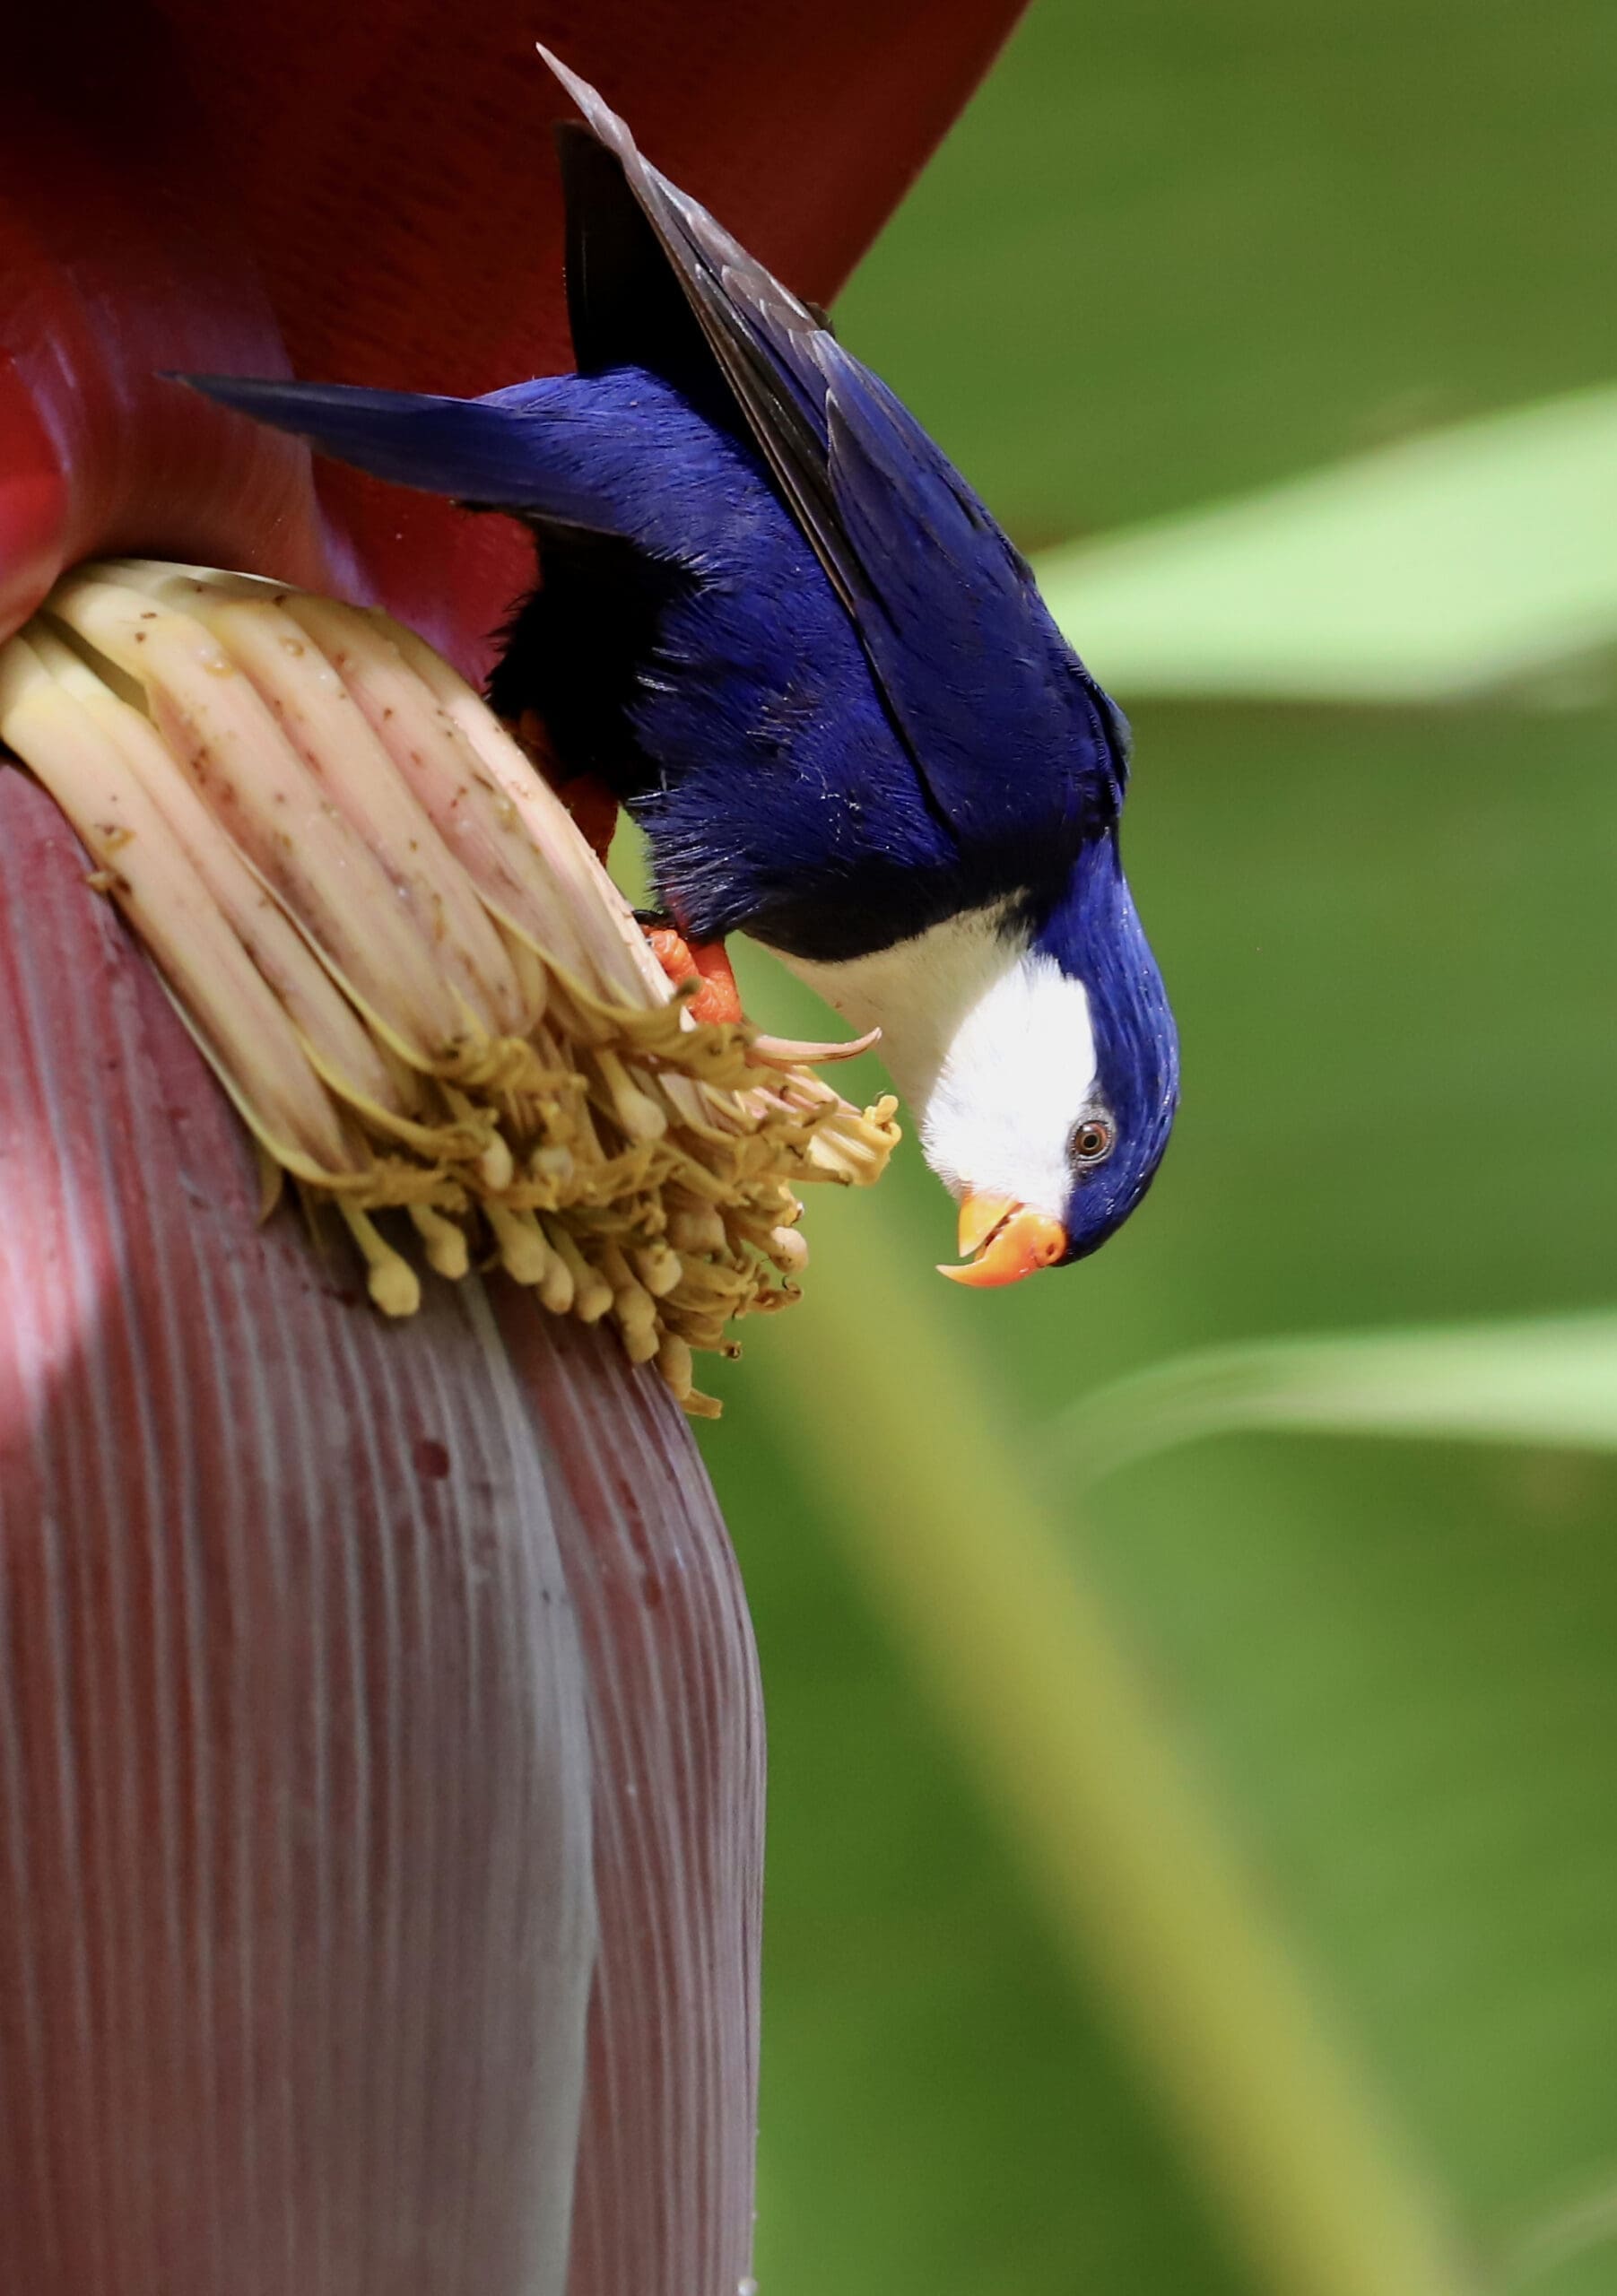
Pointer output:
x,y
959,641
490,456
755,328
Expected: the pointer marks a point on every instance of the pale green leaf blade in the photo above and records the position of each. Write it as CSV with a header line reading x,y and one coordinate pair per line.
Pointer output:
x,y
1551,1382
1446,566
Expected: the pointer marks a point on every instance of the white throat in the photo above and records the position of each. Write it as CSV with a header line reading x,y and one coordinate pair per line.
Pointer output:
x,y
991,1044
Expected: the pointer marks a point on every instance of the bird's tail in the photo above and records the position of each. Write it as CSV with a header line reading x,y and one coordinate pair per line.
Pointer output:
x,y
490,456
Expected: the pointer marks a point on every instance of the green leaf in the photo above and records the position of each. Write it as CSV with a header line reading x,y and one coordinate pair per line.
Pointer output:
x,y
1446,566
1550,1382
1142,1881
1176,255
1379,1674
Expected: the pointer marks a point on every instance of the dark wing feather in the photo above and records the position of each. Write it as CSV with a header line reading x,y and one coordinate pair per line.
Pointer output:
x,y
1011,732
757,332
1008,733
492,457
626,306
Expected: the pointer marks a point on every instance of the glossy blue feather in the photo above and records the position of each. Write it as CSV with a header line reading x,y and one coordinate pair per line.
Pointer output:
x,y
775,620
752,739
1094,933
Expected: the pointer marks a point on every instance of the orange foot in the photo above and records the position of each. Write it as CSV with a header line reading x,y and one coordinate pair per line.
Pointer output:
x,y
717,998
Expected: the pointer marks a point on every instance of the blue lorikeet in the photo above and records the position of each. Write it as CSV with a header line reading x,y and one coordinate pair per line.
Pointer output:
x,y
780,628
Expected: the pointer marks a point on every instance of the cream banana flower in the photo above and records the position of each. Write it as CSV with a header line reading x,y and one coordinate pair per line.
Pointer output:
x,y
380,1756
391,1570
408,970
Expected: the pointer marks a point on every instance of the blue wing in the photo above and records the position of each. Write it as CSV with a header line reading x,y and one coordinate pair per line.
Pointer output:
x,y
1011,739
1009,731
756,330
1010,736
493,455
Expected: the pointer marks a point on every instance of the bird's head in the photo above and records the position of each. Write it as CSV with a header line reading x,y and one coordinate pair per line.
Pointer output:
x,y
1057,1092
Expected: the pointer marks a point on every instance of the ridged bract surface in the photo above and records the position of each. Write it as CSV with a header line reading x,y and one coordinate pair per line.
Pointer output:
x,y
665,2195
297,1923
382,206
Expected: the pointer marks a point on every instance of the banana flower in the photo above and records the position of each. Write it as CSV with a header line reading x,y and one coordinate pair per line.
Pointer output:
x,y
380,1749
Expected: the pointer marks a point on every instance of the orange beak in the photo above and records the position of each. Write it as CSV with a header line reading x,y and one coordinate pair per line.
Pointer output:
x,y
1002,1241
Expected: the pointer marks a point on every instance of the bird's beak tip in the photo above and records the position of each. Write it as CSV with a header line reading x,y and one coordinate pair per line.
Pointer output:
x,y
1002,1241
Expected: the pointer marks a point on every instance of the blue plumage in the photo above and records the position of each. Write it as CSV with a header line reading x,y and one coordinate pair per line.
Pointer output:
x,y
1094,934
777,623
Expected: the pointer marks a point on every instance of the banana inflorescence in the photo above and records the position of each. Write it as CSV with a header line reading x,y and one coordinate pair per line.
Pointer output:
x,y
426,998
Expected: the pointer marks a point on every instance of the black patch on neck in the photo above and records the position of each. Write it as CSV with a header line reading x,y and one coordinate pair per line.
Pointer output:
x,y
574,650
880,902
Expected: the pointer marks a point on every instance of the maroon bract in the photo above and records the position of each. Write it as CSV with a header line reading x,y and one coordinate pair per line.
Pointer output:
x,y
353,1680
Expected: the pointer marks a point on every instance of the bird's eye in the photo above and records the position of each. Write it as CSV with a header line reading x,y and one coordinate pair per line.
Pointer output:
x,y
1091,1141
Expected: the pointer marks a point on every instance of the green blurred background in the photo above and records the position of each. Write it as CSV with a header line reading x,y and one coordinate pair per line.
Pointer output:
x,y
1176,252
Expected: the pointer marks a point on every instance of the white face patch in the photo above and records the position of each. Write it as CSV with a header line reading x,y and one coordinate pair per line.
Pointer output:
x,y
1019,1075
991,1044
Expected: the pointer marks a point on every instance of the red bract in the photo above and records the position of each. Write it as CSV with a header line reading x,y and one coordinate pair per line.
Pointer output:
x,y
369,189
354,1680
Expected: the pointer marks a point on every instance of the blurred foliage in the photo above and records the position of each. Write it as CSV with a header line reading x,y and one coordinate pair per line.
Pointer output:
x,y
1174,250
1170,253
1550,1380
1474,560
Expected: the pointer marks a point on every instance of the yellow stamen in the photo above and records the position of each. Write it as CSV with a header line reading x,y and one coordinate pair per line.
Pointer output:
x,y
658,1269
407,968
635,1110
522,1247
788,1248
673,1361
592,1295
443,1243
392,1283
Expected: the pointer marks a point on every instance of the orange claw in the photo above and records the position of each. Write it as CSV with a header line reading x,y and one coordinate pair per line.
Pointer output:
x,y
717,998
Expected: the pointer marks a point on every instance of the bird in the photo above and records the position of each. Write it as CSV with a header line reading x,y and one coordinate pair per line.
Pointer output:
x,y
780,629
